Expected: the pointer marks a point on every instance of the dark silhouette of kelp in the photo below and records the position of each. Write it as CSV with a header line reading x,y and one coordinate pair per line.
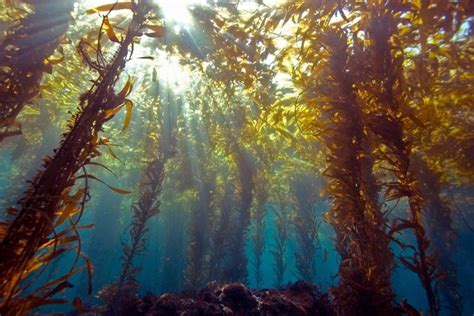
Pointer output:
x,y
24,57
366,261
282,213
259,217
438,220
306,225
388,129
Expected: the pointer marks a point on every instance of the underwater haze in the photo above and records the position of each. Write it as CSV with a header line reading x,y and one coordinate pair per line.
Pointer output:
x,y
236,157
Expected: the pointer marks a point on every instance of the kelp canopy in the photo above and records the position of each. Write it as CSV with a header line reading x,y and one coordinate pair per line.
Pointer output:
x,y
159,146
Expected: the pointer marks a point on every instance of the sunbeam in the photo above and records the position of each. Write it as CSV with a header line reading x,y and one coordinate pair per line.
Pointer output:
x,y
177,11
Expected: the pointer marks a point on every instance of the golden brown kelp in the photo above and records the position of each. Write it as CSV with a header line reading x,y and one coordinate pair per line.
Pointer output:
x,y
438,218
385,96
328,107
178,196
305,191
438,81
24,57
366,261
48,195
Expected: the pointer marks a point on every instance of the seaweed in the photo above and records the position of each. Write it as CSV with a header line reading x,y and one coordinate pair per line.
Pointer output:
x,y
49,192
306,225
259,214
197,272
160,147
25,57
199,232
272,109
220,241
281,212
366,260
438,219
385,123
236,270
147,207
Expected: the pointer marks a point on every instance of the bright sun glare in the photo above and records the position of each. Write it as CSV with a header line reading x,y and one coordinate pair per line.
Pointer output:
x,y
178,10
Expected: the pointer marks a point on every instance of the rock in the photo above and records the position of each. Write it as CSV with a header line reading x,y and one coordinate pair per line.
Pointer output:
x,y
239,299
299,298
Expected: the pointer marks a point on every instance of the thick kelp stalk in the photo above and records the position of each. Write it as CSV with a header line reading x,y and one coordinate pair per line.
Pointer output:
x,y
438,218
385,96
49,190
236,271
304,190
24,57
366,261
258,235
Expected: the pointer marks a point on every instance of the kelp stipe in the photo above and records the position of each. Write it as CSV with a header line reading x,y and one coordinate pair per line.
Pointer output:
x,y
440,141
385,96
220,238
236,271
366,265
48,200
25,57
259,216
306,225
197,272
144,209
203,212
438,219
160,146
243,169
281,212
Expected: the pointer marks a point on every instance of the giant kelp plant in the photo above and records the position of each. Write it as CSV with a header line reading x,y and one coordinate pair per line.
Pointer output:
x,y
231,146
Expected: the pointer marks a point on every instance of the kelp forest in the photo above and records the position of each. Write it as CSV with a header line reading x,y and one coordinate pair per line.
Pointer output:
x,y
236,157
